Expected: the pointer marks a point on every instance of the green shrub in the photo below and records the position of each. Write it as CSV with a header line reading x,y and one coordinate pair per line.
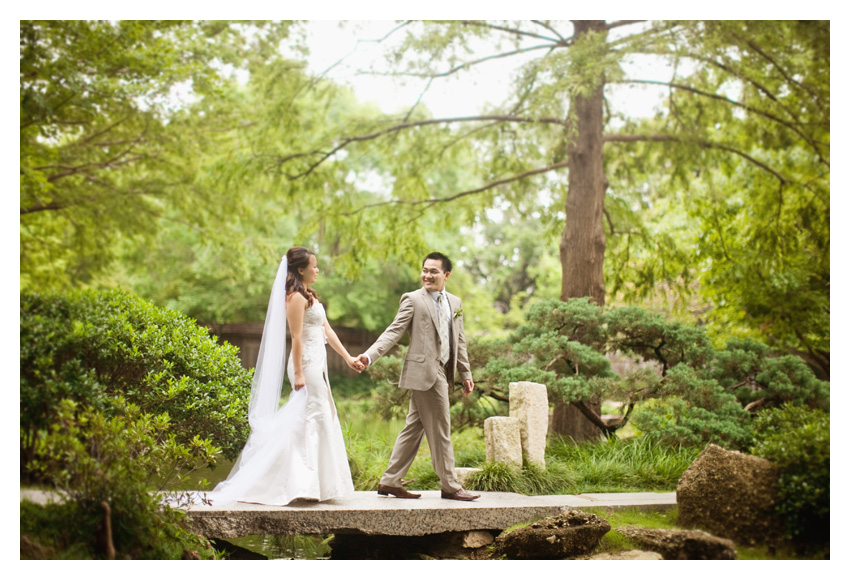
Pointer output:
x,y
91,347
692,410
796,439
99,462
682,390
757,376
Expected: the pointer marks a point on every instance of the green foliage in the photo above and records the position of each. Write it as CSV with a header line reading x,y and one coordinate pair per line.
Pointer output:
x,y
101,462
93,347
757,377
649,335
796,439
716,208
108,148
681,389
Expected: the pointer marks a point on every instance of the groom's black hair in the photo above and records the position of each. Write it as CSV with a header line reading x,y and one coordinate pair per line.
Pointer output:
x,y
447,264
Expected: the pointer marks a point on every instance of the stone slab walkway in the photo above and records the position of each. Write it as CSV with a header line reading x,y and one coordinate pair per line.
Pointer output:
x,y
366,512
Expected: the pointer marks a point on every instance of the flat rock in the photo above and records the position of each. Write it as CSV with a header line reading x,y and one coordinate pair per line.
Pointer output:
x,y
624,555
682,544
569,534
368,513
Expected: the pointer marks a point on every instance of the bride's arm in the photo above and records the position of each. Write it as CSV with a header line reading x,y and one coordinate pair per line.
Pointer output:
x,y
337,345
334,341
295,304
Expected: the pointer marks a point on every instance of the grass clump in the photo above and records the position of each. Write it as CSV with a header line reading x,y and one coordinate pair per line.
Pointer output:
x,y
615,466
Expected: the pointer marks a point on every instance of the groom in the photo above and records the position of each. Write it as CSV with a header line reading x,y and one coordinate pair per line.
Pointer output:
x,y
437,352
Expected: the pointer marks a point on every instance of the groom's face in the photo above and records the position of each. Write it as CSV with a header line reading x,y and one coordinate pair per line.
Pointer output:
x,y
433,278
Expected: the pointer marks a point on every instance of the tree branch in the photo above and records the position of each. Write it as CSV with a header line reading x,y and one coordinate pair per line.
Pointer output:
x,y
782,71
461,66
550,29
73,170
792,126
592,417
105,130
516,31
402,126
615,138
734,72
434,201
618,23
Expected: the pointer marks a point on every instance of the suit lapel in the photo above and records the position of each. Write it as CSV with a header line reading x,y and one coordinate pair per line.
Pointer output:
x,y
429,306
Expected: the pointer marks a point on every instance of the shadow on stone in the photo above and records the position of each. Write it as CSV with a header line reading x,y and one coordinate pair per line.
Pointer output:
x,y
472,545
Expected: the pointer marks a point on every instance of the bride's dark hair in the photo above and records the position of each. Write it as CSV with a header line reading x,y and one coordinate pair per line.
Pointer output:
x,y
297,258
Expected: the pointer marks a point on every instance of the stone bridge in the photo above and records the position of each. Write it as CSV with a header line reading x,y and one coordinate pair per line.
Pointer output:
x,y
364,512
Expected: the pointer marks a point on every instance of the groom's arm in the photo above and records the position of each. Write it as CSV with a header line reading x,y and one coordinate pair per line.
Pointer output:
x,y
464,373
390,337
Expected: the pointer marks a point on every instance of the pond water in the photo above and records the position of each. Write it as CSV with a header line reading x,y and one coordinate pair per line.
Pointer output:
x,y
286,547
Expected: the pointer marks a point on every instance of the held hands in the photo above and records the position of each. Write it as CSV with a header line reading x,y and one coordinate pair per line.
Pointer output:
x,y
364,360
355,364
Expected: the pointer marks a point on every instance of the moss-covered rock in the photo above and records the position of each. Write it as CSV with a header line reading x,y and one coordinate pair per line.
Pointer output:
x,y
730,494
572,533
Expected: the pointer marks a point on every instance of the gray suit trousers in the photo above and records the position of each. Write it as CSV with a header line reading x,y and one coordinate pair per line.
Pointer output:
x,y
428,416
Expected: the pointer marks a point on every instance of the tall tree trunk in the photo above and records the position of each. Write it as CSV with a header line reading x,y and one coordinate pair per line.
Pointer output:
x,y
583,240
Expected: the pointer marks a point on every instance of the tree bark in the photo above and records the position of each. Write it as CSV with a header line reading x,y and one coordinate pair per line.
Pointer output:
x,y
583,240
569,421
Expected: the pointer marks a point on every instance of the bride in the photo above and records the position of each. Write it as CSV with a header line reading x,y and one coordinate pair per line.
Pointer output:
x,y
295,451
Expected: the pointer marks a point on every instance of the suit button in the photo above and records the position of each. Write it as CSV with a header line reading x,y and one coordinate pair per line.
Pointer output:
x,y
437,359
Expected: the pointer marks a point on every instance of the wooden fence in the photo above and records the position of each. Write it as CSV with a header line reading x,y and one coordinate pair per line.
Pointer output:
x,y
247,337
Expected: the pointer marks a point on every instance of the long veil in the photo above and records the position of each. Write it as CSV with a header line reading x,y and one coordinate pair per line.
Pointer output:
x,y
268,373
270,426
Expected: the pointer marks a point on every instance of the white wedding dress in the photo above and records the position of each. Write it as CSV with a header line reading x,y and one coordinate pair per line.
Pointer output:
x,y
299,451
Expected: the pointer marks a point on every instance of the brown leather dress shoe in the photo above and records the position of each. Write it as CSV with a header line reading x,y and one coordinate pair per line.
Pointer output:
x,y
397,491
460,495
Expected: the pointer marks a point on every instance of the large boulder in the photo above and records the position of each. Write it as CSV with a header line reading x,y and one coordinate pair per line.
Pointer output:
x,y
569,534
730,494
682,544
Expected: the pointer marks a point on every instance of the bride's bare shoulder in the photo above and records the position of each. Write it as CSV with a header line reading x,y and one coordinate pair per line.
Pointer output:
x,y
296,298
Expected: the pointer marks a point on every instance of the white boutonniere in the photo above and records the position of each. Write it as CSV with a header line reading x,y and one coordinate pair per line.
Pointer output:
x,y
458,313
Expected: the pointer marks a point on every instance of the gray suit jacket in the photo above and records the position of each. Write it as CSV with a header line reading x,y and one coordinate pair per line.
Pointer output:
x,y
417,315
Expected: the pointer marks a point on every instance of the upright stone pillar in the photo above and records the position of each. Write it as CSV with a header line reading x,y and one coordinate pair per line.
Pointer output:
x,y
502,441
529,404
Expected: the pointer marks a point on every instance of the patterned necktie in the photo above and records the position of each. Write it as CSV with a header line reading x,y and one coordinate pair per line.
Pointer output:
x,y
443,325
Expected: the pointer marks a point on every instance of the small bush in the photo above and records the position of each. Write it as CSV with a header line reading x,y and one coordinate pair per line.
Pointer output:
x,y
92,347
108,465
796,439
